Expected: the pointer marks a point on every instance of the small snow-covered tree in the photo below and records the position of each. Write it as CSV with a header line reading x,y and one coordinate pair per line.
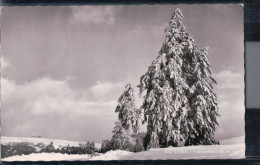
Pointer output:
x,y
128,114
128,120
172,102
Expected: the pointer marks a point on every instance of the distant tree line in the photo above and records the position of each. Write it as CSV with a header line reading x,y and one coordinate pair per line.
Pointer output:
x,y
26,148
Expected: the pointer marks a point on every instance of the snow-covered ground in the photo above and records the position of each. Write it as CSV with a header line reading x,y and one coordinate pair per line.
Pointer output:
x,y
233,148
230,151
235,140
46,157
56,142
110,155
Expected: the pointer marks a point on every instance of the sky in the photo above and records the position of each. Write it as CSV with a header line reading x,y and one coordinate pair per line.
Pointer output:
x,y
64,67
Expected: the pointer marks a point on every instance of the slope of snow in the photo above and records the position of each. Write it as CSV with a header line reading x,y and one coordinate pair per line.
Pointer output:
x,y
235,151
235,140
233,148
56,142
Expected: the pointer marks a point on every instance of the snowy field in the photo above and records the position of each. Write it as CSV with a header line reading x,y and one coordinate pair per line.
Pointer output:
x,y
233,148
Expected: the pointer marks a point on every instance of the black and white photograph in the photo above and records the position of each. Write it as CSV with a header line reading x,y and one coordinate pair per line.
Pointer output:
x,y
122,82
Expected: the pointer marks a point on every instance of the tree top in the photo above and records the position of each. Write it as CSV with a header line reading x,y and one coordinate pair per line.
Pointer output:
x,y
177,14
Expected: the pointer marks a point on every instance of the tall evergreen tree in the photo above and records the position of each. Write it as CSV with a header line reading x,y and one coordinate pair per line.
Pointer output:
x,y
179,105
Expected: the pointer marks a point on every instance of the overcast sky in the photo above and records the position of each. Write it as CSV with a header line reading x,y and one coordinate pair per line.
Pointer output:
x,y
63,68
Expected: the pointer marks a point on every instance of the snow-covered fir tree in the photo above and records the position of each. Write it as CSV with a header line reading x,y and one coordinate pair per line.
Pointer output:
x,y
179,105
128,118
128,114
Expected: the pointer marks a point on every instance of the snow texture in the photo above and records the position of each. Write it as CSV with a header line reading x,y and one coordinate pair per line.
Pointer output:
x,y
46,157
111,155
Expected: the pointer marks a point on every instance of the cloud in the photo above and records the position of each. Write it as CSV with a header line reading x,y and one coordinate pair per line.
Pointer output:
x,y
95,14
51,108
105,90
230,92
227,79
46,95
4,63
